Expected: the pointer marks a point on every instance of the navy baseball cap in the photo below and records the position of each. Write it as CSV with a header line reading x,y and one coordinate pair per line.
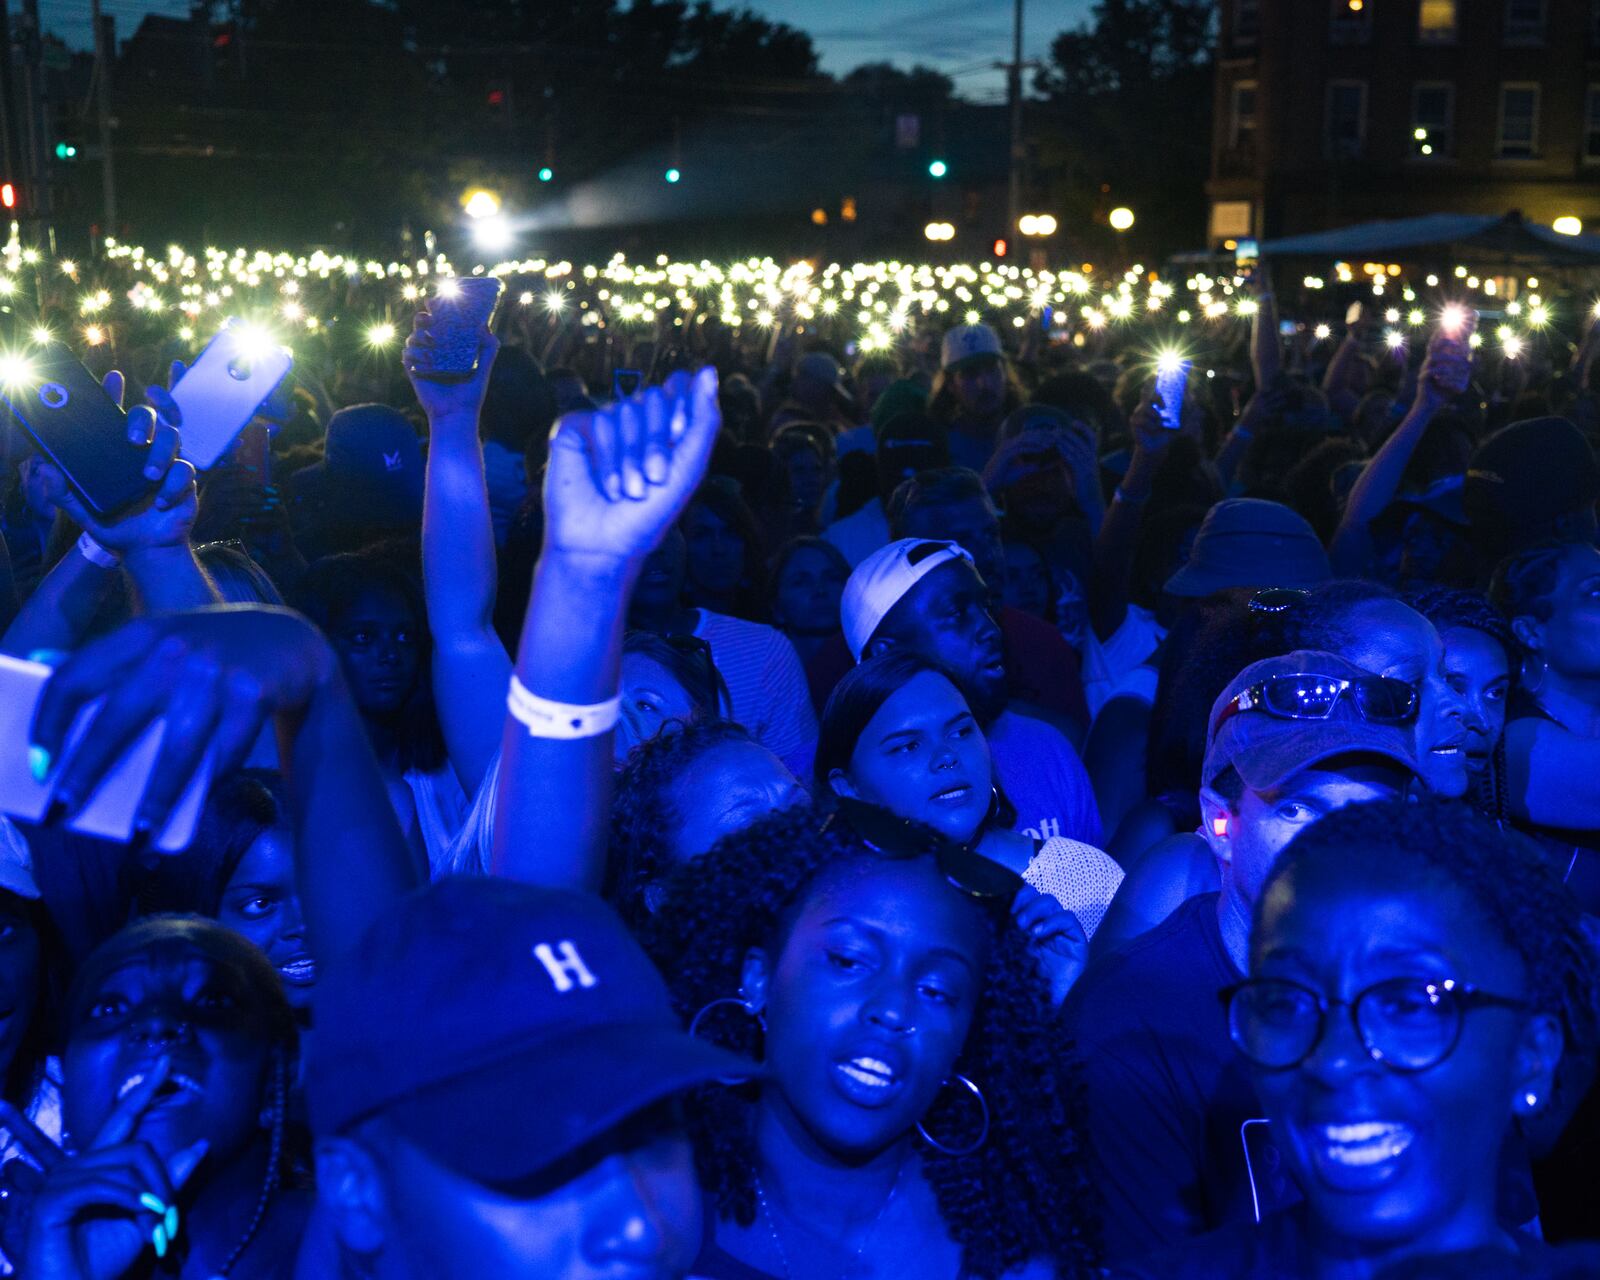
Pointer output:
x,y
499,1027
1267,751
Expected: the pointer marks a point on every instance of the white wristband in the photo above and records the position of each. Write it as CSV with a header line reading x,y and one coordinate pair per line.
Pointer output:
x,y
94,553
545,718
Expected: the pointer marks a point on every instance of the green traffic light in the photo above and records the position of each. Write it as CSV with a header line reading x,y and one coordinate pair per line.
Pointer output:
x,y
65,151
673,175
546,173
937,168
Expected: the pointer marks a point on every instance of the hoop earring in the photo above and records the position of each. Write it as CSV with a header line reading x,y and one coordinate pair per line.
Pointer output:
x,y
1532,666
746,1008
983,1135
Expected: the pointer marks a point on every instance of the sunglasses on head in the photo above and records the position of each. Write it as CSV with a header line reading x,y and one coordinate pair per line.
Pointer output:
x,y
1305,695
895,837
1277,599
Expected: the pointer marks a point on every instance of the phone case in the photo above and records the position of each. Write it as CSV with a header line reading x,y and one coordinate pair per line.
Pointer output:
x,y
221,391
110,810
460,309
80,428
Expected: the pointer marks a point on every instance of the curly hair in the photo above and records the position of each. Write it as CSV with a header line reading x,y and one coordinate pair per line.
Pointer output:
x,y
1322,619
1509,878
1026,1192
644,811
1448,607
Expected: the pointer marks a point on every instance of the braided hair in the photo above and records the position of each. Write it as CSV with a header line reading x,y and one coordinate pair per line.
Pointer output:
x,y
1026,1192
1524,583
1512,882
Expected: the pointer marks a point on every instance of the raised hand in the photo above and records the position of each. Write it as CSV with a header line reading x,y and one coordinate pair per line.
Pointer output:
x,y
1056,939
93,1214
216,674
448,402
165,517
618,477
1447,367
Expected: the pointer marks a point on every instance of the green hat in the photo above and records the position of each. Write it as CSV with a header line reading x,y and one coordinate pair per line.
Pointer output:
x,y
904,395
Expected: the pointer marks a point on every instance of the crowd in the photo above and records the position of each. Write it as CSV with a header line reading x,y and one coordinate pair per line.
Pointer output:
x,y
953,809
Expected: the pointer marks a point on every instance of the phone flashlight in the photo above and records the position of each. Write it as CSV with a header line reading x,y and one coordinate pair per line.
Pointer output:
x,y
1172,377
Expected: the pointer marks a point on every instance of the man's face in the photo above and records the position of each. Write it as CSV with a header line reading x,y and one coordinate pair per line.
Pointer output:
x,y
945,618
972,526
1263,823
624,1206
980,386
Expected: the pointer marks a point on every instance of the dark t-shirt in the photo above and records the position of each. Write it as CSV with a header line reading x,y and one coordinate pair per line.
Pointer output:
x,y
1167,1092
1277,1249
1041,667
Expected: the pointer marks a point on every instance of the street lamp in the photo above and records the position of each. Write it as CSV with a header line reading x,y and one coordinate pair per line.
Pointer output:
x,y
1037,224
939,231
1568,225
480,203
1120,218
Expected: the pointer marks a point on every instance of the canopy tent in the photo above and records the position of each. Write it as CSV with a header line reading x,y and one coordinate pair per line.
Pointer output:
x,y
1466,236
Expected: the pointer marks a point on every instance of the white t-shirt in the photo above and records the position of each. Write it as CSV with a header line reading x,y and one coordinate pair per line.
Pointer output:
x,y
766,684
1116,667
1080,877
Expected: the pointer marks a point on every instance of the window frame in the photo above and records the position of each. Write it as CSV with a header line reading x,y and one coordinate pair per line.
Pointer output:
x,y
1243,37
1455,26
1448,151
1328,147
1508,86
1532,39
1233,111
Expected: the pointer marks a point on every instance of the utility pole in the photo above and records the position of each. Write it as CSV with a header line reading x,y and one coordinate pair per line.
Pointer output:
x,y
1019,151
35,115
104,48
8,101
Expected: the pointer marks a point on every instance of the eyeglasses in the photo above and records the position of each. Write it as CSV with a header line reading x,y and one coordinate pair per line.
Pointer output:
x,y
1305,695
1408,1024
1277,599
893,836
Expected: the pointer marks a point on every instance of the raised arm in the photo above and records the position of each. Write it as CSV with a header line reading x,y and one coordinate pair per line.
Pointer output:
x,y
218,675
617,479
1266,360
470,665
1445,373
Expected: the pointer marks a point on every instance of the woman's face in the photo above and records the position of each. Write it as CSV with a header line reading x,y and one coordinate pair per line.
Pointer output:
x,y
651,695
1027,581
1570,636
1395,640
716,551
724,790
1479,673
20,962
1383,1156
380,647
262,902
170,1001
868,1001
808,592
923,757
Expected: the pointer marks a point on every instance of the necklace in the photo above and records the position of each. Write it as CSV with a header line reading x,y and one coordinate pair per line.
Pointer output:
x,y
777,1240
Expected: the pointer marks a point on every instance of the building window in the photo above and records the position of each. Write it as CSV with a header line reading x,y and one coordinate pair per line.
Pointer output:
x,y
1246,21
1433,108
1524,21
1346,129
1436,21
1519,121
1351,22
1591,123
1242,117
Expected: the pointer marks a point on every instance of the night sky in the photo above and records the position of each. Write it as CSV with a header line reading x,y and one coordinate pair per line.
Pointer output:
x,y
962,38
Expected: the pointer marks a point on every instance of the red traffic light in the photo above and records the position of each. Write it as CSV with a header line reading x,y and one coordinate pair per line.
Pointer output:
x,y
1000,247
8,195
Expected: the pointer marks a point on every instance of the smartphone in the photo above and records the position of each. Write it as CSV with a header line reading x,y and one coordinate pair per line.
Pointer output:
x,y
1246,254
110,811
460,309
626,383
79,427
220,392
1353,314
1172,377
1046,317
1287,328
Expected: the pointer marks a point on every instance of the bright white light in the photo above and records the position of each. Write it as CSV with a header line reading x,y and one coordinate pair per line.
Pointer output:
x,y
41,335
1169,362
1120,218
1395,340
380,335
254,341
492,234
1452,318
448,288
1568,225
15,369
1512,346
1321,332
481,204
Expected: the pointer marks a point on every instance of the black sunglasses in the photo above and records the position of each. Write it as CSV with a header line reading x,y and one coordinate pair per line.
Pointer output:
x,y
895,837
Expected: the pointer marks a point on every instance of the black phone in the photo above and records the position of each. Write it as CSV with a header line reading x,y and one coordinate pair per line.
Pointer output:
x,y
79,427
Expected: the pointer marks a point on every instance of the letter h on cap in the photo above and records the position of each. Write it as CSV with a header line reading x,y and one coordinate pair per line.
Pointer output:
x,y
565,966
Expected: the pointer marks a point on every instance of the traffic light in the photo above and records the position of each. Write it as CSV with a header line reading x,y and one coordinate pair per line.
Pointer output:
x,y
937,168
546,173
1000,248
673,174
8,195
66,151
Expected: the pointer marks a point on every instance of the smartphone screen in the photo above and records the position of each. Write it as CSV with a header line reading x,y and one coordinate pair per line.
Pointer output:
x,y
626,383
1246,253
1353,314
79,427
1287,328
459,310
1172,378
